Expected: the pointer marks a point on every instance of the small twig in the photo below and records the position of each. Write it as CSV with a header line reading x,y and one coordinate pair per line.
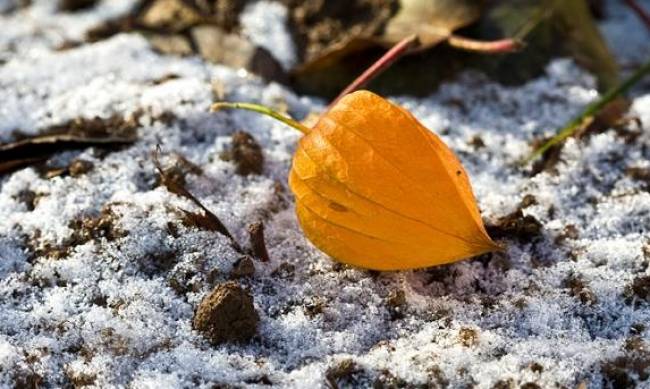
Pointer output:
x,y
211,219
392,55
258,243
640,12
591,110
507,45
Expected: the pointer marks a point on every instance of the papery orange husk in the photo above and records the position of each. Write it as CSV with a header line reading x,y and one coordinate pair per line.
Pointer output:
x,y
376,189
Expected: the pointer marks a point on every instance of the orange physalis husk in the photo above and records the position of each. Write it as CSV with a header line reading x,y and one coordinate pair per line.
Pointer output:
x,y
376,189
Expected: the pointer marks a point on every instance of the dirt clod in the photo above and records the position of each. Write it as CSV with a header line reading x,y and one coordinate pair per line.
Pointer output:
x,y
640,174
530,385
245,153
580,290
638,290
79,167
387,380
27,197
570,232
630,369
396,302
244,267
468,337
504,384
524,228
75,5
227,314
341,373
174,44
169,15
536,367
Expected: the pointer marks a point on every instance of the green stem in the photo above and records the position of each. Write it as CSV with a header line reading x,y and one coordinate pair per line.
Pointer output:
x,y
591,110
264,111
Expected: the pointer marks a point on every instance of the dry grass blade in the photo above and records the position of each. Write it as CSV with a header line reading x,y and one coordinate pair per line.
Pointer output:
x,y
36,149
591,110
75,134
207,220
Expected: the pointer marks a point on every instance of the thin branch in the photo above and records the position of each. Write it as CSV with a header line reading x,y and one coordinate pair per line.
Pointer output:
x,y
591,110
392,55
640,12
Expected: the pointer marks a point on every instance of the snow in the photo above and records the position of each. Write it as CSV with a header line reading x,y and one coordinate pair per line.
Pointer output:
x,y
107,312
265,24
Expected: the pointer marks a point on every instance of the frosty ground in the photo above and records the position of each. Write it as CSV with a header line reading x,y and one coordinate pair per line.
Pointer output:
x,y
567,308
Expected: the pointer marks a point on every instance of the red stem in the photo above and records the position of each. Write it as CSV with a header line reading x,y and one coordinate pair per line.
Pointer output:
x,y
506,45
378,67
640,12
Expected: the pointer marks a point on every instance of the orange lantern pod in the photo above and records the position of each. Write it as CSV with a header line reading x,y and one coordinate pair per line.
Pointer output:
x,y
376,189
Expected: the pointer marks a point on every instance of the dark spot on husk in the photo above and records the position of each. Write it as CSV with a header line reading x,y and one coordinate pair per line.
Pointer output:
x,y
337,207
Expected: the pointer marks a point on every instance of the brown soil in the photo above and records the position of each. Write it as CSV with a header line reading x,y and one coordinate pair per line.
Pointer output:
x,y
227,314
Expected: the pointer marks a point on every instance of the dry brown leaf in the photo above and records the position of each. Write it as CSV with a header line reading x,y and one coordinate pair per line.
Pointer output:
x,y
432,21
